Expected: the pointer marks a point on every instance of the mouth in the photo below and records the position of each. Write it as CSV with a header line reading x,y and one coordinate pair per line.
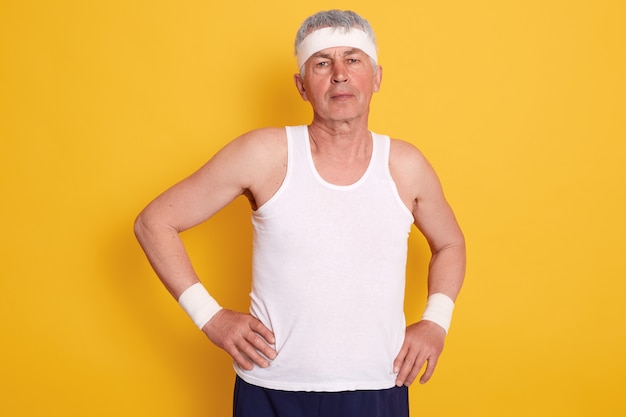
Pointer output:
x,y
341,96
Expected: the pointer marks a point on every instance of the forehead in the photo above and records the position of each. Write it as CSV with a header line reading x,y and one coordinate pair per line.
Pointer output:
x,y
338,51
329,37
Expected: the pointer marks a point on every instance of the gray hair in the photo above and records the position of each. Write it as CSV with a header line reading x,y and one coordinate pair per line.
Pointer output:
x,y
345,19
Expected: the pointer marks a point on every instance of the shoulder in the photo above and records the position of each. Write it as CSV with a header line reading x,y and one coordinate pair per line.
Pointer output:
x,y
246,157
266,133
269,138
259,160
254,149
415,178
406,159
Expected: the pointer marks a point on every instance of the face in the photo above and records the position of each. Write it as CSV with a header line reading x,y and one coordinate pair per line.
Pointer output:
x,y
339,83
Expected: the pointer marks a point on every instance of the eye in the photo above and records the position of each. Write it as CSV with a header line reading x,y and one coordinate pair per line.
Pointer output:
x,y
353,61
322,64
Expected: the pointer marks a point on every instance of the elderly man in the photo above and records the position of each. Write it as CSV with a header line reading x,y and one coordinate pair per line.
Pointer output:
x,y
332,207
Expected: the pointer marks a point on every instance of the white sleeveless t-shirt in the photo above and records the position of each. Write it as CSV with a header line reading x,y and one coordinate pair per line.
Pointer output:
x,y
329,266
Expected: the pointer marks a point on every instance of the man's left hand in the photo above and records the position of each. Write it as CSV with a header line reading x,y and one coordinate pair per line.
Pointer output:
x,y
423,343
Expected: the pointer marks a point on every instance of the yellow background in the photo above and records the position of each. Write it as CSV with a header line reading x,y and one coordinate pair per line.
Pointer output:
x,y
520,106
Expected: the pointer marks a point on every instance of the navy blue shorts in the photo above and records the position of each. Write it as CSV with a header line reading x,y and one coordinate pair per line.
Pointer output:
x,y
253,401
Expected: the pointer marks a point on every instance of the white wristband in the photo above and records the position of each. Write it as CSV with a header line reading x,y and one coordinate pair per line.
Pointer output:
x,y
439,310
198,304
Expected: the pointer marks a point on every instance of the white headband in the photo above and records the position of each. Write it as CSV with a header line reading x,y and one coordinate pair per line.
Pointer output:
x,y
333,37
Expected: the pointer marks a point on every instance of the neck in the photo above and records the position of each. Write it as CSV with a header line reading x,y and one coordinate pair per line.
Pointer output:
x,y
343,140
341,129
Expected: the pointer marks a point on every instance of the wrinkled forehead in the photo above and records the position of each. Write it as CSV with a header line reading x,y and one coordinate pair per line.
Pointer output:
x,y
334,37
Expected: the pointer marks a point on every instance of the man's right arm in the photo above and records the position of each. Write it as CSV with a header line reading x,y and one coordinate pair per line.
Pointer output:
x,y
233,171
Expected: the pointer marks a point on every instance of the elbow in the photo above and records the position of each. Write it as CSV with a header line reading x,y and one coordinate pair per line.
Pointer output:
x,y
459,241
150,225
145,224
140,227
455,242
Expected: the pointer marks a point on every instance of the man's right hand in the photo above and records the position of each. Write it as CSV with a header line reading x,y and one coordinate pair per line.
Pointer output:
x,y
243,337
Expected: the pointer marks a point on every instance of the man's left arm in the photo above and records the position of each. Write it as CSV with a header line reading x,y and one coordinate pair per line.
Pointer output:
x,y
434,217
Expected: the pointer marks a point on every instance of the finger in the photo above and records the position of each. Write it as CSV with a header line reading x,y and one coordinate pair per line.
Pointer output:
x,y
258,327
247,356
430,368
261,337
260,344
397,363
241,360
405,369
415,370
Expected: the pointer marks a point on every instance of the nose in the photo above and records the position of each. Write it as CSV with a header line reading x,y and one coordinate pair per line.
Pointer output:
x,y
339,74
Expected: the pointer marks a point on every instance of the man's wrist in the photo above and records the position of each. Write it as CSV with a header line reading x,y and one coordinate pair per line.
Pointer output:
x,y
439,310
198,304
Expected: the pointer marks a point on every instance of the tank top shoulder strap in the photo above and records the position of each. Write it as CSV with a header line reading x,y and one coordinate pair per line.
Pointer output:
x,y
380,154
296,137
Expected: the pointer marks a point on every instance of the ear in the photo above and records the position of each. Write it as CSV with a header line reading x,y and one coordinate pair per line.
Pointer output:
x,y
300,86
378,79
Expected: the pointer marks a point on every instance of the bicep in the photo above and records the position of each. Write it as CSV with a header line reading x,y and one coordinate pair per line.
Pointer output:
x,y
199,196
432,213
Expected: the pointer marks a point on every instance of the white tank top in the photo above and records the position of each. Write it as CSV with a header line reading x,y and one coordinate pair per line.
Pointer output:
x,y
329,266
